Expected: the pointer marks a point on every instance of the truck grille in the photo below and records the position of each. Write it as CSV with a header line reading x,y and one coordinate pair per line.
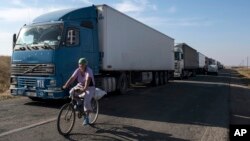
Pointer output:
x,y
27,82
32,69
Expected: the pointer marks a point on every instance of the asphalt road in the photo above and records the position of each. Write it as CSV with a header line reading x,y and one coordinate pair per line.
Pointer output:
x,y
200,108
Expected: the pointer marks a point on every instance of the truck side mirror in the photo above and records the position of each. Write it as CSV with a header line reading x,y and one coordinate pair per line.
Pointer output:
x,y
14,40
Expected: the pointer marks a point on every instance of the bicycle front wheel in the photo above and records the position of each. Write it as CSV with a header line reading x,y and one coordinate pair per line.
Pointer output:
x,y
93,115
66,119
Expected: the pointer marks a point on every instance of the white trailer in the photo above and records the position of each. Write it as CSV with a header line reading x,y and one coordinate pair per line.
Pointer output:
x,y
202,63
132,51
201,60
129,45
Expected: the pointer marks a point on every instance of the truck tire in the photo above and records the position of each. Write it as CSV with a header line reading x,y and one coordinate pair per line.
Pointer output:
x,y
122,84
165,77
155,79
161,78
186,74
181,76
194,73
205,72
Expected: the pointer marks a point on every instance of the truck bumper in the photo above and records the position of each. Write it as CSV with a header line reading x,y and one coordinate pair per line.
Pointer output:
x,y
44,94
36,87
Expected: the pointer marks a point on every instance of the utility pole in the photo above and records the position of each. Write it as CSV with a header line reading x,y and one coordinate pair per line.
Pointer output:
x,y
247,62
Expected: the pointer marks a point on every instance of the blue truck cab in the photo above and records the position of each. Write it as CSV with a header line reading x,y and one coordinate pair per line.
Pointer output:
x,y
46,52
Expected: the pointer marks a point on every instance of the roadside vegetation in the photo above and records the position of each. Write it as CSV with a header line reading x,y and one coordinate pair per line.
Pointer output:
x,y
4,77
246,73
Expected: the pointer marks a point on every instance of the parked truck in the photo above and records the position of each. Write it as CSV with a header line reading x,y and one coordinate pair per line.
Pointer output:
x,y
186,61
202,64
220,65
212,66
211,61
119,49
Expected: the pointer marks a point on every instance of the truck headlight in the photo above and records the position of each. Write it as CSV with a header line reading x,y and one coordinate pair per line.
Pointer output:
x,y
13,80
12,86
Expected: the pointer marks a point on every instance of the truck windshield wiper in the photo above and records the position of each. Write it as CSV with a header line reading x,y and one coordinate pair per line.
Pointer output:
x,y
31,69
47,46
23,47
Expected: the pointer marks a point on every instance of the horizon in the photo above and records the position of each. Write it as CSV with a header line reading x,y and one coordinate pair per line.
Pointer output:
x,y
219,32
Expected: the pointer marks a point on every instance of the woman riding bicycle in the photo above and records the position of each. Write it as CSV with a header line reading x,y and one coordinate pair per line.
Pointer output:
x,y
85,86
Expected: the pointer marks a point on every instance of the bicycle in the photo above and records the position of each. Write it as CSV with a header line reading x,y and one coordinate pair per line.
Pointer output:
x,y
68,111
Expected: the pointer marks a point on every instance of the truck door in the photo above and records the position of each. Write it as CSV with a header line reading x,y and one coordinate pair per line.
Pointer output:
x,y
88,44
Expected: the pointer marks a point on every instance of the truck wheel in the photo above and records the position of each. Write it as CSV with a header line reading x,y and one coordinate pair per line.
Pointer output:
x,y
165,77
193,73
122,84
186,76
181,76
161,78
156,79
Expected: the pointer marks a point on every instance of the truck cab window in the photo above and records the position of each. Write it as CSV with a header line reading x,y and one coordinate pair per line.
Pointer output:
x,y
176,56
37,36
72,37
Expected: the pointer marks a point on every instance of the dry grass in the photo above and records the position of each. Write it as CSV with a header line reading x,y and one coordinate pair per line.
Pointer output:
x,y
6,95
244,71
4,73
4,77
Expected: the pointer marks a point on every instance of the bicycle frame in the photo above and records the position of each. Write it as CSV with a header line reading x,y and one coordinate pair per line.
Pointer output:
x,y
73,108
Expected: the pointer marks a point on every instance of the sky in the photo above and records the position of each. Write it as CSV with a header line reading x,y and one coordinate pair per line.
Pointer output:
x,y
219,29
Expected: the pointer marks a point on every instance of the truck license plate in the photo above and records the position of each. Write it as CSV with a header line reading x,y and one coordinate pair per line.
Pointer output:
x,y
31,94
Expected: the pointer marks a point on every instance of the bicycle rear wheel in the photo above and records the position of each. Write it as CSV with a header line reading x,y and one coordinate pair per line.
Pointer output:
x,y
66,119
94,114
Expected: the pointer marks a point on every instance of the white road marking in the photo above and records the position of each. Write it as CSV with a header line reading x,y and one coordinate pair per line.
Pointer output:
x,y
242,116
27,127
218,76
211,83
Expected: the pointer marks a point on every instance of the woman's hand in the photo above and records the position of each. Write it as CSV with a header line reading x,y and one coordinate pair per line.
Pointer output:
x,y
64,86
79,90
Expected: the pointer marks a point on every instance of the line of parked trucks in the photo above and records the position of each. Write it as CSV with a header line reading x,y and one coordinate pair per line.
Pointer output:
x,y
120,50
189,62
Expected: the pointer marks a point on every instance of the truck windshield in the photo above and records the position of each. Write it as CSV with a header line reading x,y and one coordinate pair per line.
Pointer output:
x,y
39,37
177,56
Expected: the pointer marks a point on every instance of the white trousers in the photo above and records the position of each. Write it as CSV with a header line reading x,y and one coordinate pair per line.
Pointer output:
x,y
88,95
